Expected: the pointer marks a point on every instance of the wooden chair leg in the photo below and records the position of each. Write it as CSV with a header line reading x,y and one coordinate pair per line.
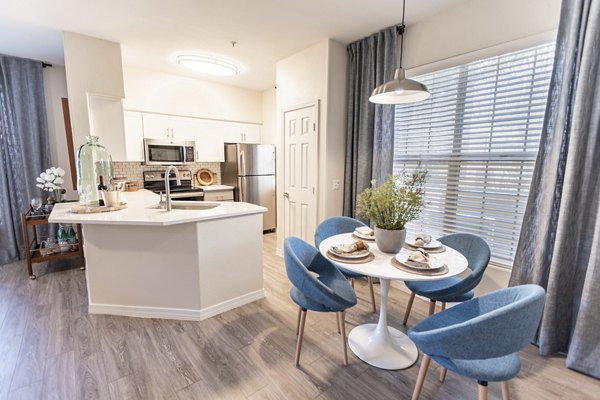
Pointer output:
x,y
483,390
298,320
352,282
431,307
370,281
337,319
443,374
342,319
505,391
421,378
408,308
300,336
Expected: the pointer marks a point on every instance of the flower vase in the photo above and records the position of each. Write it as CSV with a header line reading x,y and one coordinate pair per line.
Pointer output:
x,y
58,196
389,241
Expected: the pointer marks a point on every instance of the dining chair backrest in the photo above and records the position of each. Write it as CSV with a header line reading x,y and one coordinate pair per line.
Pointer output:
x,y
494,325
301,261
334,226
476,251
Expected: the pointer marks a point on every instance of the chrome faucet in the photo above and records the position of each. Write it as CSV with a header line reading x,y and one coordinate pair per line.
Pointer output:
x,y
168,186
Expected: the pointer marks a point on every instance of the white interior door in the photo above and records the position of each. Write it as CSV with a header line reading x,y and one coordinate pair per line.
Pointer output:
x,y
300,179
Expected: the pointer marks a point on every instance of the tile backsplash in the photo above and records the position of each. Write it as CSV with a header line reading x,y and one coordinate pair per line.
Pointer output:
x,y
133,170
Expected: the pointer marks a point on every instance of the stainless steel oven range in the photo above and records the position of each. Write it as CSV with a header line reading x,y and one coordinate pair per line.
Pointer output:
x,y
155,181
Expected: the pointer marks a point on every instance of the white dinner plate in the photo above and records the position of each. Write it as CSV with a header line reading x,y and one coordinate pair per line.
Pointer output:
x,y
434,244
434,263
364,237
357,254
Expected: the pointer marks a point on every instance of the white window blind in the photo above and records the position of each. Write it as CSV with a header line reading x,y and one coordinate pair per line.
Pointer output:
x,y
478,137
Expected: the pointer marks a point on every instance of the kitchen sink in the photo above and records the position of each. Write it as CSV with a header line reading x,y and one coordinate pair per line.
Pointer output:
x,y
188,206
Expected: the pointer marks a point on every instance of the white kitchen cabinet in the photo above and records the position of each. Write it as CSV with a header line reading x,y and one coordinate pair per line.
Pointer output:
x,y
169,127
106,121
241,133
209,135
134,136
209,141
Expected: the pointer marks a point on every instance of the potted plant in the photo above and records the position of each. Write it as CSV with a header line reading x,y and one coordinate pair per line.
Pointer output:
x,y
51,180
391,206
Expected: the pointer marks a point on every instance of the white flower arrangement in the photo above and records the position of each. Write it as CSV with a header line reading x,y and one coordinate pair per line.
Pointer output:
x,y
51,179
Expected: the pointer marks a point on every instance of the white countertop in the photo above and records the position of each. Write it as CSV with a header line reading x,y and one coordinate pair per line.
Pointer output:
x,y
216,188
139,211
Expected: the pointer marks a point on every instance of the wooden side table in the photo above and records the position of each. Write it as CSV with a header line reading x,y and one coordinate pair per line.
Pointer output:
x,y
33,246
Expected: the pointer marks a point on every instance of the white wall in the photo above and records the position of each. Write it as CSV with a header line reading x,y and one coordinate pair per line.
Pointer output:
x,y
55,88
94,67
316,73
476,25
334,153
147,90
268,133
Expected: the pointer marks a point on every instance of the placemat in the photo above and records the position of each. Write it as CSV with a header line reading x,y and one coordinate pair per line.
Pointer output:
x,y
364,260
359,238
83,209
442,271
433,251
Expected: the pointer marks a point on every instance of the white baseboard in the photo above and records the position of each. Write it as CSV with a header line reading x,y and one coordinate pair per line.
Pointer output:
x,y
176,313
145,312
231,304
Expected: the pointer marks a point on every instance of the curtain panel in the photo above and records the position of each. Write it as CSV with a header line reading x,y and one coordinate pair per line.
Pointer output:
x,y
559,246
370,127
24,149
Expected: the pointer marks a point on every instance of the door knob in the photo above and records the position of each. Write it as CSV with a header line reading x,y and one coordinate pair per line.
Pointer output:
x,y
286,194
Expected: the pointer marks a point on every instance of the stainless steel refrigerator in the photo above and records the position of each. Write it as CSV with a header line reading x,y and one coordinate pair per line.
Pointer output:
x,y
251,169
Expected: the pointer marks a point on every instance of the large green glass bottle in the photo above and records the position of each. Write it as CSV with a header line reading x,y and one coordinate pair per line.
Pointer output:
x,y
93,160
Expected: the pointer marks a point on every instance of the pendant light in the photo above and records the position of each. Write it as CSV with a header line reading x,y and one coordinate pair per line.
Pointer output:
x,y
400,89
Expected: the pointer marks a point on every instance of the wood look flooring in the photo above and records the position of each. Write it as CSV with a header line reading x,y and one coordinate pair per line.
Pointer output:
x,y
50,348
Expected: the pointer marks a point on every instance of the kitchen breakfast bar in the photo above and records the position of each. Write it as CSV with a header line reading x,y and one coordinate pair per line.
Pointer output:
x,y
193,262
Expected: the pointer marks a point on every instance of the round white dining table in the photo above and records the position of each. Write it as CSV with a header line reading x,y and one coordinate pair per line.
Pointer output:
x,y
379,344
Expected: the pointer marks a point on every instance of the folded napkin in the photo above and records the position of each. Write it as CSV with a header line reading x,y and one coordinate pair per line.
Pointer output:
x,y
419,257
349,248
365,231
421,239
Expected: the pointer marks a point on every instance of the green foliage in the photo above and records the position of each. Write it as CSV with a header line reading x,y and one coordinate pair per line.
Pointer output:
x,y
396,202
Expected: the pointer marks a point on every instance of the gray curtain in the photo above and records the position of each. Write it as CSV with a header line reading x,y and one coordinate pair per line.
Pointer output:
x,y
370,135
559,247
24,149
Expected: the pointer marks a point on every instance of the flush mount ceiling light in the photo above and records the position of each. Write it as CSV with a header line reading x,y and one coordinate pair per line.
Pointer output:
x,y
208,65
400,90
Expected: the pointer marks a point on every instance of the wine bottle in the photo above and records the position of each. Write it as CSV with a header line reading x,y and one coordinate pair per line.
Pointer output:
x,y
101,185
101,188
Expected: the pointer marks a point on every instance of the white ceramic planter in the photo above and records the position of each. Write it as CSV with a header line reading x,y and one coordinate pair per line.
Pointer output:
x,y
389,241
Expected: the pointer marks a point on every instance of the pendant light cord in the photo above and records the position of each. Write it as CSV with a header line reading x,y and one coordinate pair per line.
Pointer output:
x,y
400,31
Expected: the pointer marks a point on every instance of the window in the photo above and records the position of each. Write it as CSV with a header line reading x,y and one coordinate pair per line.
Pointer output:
x,y
478,137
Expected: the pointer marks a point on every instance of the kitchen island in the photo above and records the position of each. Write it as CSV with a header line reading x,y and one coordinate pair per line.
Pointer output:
x,y
187,264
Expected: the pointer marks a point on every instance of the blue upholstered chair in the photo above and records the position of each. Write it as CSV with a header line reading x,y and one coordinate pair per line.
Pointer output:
x,y
318,286
454,289
481,338
334,226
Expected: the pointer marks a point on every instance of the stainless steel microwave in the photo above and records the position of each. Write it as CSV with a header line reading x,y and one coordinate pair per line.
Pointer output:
x,y
167,152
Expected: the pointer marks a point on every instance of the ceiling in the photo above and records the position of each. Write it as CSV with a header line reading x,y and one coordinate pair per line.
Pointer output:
x,y
151,31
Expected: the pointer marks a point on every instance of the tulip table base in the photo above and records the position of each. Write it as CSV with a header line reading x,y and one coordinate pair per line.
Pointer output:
x,y
382,346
